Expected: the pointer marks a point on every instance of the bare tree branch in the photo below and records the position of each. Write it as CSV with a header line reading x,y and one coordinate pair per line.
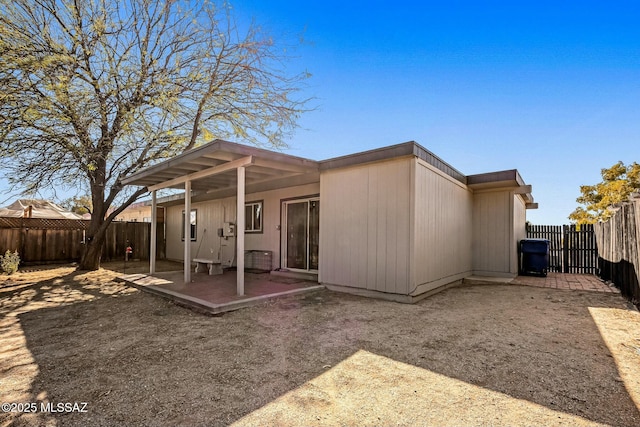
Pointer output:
x,y
93,90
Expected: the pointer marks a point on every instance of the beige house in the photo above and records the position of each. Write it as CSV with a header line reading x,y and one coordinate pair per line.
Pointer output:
x,y
139,212
396,222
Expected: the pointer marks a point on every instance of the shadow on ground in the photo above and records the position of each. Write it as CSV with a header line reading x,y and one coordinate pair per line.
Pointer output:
x,y
139,360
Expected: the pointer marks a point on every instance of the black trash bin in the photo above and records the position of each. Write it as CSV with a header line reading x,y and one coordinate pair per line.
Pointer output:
x,y
534,256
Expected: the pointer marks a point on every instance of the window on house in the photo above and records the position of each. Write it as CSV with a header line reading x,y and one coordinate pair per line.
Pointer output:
x,y
194,221
253,217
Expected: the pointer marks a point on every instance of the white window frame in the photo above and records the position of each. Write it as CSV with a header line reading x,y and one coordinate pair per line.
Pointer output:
x,y
252,218
194,225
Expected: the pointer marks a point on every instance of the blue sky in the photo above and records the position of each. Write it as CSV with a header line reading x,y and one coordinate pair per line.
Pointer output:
x,y
549,88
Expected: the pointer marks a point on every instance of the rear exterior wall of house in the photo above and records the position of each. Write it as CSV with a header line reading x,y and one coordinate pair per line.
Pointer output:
x,y
365,226
499,217
442,229
399,226
211,216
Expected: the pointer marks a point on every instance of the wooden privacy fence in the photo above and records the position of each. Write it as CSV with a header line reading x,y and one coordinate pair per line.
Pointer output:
x,y
553,233
572,248
41,241
619,249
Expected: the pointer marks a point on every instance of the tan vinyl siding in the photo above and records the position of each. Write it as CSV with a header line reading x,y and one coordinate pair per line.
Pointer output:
x,y
365,226
442,230
212,214
519,228
492,232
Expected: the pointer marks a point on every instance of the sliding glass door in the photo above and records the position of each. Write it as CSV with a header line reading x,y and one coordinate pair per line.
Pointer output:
x,y
302,227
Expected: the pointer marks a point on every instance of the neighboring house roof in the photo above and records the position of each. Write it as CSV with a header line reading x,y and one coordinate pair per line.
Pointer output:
x,y
35,208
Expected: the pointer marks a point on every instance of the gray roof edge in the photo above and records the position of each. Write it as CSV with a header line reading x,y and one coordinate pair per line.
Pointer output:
x,y
508,176
437,162
410,148
504,175
217,144
368,156
391,152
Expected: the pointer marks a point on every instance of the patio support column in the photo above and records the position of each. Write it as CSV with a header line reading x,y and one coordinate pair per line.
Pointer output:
x,y
187,231
154,235
240,222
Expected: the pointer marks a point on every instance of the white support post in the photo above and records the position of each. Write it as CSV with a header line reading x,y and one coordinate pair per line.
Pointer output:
x,y
187,232
154,235
240,220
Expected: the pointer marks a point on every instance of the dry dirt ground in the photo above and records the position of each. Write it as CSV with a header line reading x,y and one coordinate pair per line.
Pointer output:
x,y
482,355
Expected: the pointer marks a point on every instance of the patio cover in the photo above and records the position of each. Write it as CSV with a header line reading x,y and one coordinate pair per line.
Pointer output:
x,y
221,169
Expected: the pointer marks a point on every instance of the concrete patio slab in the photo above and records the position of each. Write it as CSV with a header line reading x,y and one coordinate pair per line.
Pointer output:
x,y
217,294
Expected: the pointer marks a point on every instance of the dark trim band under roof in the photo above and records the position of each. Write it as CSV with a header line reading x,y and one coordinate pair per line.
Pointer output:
x,y
499,176
298,169
410,148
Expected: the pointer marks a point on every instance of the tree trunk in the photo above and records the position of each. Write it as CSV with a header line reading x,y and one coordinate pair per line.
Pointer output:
x,y
91,256
96,233
92,253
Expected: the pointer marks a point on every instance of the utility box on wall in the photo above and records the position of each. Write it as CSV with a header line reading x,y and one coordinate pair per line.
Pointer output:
x,y
228,229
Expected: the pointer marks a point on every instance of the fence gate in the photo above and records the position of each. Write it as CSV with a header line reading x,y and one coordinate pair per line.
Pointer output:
x,y
572,249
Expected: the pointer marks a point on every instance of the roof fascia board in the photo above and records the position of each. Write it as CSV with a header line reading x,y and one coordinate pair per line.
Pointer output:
x,y
524,189
384,153
435,161
225,147
490,177
410,148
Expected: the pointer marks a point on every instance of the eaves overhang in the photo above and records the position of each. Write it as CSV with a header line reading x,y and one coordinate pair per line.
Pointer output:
x,y
501,180
211,169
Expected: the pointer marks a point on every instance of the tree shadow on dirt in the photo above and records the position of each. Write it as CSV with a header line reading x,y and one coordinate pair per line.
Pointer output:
x,y
67,287
140,360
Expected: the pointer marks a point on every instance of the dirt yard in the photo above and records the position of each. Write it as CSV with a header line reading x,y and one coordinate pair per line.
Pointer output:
x,y
482,355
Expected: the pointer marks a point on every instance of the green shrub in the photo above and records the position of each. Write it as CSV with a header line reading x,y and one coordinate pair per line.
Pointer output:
x,y
9,262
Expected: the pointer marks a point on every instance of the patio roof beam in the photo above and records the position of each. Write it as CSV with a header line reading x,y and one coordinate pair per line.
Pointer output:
x,y
243,161
284,166
256,182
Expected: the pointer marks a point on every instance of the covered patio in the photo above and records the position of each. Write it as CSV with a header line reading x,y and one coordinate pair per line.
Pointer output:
x,y
218,294
213,171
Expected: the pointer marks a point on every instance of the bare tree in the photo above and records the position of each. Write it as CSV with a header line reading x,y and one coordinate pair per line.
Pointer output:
x,y
94,90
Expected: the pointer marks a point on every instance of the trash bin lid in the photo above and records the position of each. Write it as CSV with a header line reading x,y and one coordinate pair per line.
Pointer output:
x,y
534,245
